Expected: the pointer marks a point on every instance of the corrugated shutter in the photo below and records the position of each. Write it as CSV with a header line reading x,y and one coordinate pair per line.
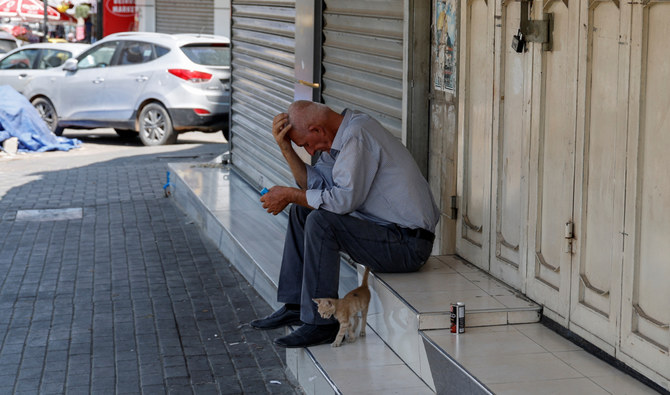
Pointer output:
x,y
363,58
262,86
185,16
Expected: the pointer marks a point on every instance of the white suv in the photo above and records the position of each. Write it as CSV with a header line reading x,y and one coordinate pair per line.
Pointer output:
x,y
152,83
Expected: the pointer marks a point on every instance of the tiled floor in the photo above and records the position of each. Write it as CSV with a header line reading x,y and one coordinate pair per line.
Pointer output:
x,y
532,359
446,279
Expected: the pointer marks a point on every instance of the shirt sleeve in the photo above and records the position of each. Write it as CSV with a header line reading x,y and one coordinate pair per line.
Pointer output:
x,y
320,176
353,173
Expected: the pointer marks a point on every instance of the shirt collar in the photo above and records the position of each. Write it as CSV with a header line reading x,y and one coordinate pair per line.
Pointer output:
x,y
339,137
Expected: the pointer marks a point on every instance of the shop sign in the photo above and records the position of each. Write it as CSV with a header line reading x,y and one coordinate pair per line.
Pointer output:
x,y
118,16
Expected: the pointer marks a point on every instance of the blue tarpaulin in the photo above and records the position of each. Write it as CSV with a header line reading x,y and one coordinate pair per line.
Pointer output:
x,y
18,118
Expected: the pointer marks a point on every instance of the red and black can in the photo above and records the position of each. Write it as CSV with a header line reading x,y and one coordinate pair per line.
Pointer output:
x,y
457,311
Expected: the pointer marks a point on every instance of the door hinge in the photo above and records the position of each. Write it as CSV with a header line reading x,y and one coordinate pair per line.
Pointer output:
x,y
569,236
454,208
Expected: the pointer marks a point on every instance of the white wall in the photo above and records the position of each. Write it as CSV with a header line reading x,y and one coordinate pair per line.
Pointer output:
x,y
146,15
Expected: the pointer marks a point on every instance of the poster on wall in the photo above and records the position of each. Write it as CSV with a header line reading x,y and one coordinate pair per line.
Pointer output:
x,y
444,33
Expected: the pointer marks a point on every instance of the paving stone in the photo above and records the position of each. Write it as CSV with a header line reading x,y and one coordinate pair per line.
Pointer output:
x,y
125,297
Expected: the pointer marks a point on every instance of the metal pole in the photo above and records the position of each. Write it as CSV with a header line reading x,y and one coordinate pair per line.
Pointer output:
x,y
46,28
98,30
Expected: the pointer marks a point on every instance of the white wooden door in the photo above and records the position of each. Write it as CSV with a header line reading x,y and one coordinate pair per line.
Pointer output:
x,y
510,150
553,160
601,159
475,126
645,311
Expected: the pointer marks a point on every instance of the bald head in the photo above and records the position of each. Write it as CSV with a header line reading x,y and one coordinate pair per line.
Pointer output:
x,y
313,124
303,114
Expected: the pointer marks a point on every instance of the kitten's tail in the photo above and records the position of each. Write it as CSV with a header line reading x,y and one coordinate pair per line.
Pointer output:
x,y
365,277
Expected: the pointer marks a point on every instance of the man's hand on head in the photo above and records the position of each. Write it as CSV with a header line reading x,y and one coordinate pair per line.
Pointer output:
x,y
280,128
278,197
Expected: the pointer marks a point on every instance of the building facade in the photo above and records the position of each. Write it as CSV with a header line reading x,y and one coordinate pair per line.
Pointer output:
x,y
541,126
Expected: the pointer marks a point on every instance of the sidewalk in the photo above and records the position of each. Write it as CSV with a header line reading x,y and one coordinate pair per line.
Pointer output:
x,y
121,293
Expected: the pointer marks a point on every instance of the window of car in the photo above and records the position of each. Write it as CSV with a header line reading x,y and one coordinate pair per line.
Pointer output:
x,y
53,58
98,56
160,51
136,52
20,60
7,45
208,54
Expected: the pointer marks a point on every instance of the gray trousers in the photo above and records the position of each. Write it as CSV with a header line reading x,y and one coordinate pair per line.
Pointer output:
x,y
311,261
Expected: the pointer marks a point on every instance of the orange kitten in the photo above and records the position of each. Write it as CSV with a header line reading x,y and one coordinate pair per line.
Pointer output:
x,y
347,308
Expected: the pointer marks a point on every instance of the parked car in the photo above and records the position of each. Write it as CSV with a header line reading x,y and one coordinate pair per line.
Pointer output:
x,y
17,67
152,83
7,42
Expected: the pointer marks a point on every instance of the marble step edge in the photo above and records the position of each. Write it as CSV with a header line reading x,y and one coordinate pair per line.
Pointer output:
x,y
475,317
449,376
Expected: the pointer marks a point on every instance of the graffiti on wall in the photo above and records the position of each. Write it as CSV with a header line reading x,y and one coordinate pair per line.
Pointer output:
x,y
444,33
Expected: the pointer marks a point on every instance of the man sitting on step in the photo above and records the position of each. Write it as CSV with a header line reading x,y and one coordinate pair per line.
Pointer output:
x,y
364,196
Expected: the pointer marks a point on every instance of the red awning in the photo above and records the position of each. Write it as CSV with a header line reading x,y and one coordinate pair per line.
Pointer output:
x,y
27,9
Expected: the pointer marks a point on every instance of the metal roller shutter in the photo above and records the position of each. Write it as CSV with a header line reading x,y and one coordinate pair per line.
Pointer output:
x,y
185,16
363,58
262,86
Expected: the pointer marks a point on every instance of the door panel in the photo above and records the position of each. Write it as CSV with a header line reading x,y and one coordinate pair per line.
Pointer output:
x,y
475,145
127,79
645,328
578,137
549,252
81,95
510,152
601,131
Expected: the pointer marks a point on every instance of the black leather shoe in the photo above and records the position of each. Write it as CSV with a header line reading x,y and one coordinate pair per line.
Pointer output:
x,y
309,335
279,318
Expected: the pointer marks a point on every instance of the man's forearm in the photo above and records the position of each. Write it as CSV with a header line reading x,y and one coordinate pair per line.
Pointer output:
x,y
299,197
297,166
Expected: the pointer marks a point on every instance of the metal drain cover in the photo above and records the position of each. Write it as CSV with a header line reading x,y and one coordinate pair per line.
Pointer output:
x,y
56,214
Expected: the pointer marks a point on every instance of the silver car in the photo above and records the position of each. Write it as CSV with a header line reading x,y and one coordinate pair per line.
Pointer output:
x,y
17,67
152,83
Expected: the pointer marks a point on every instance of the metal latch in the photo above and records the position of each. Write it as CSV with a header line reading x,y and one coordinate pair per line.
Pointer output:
x,y
537,31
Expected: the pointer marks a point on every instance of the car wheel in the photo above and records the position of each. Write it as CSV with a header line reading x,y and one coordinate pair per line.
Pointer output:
x,y
48,114
126,133
226,133
156,125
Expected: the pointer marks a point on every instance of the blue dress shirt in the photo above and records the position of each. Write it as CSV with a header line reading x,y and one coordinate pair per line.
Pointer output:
x,y
370,175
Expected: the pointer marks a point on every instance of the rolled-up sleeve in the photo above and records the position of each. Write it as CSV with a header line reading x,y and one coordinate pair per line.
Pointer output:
x,y
353,174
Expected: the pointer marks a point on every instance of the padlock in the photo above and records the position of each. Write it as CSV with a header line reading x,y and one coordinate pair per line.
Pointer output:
x,y
518,42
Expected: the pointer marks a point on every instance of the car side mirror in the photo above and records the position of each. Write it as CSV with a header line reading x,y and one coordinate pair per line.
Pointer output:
x,y
70,64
